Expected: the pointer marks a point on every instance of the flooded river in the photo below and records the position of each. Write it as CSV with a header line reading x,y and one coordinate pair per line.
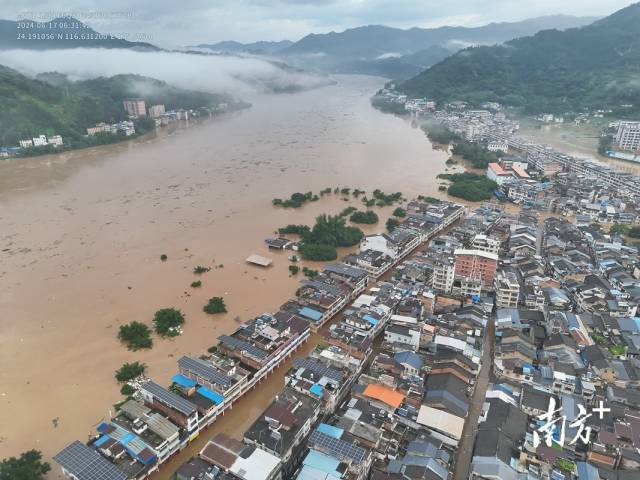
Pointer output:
x,y
81,236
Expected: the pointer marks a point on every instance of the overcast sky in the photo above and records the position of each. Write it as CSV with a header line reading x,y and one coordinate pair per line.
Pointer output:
x,y
172,23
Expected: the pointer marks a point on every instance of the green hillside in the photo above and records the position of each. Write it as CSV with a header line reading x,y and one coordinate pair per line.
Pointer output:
x,y
51,104
589,67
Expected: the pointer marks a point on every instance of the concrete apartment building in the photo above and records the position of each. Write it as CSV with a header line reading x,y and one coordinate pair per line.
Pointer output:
x,y
507,289
135,107
485,243
628,136
476,264
156,111
444,270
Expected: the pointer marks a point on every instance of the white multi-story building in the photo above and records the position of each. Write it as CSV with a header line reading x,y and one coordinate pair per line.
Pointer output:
x,y
55,140
444,270
507,290
26,143
628,136
498,147
485,244
39,141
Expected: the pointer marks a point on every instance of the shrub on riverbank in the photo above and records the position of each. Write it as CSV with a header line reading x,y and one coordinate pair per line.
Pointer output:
x,y
400,212
129,371
127,390
167,322
135,336
392,224
440,134
476,154
196,284
427,199
309,273
215,305
470,186
368,217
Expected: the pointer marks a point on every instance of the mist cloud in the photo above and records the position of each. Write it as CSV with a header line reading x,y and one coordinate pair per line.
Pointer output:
x,y
239,76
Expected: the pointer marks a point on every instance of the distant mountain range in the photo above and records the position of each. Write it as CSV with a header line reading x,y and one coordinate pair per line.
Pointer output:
x,y
256,48
64,32
376,50
553,71
394,52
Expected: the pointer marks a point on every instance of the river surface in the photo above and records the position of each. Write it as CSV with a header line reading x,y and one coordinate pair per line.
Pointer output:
x,y
81,234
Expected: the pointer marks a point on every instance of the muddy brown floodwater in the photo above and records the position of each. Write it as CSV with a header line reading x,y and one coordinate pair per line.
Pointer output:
x,y
81,234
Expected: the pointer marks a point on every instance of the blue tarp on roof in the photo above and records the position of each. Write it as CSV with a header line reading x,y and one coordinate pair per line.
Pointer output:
x,y
330,430
310,313
183,381
370,319
127,438
101,440
103,427
317,390
213,396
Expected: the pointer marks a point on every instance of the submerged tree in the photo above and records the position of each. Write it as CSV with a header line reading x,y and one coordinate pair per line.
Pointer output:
x,y
215,305
129,371
135,335
28,466
167,321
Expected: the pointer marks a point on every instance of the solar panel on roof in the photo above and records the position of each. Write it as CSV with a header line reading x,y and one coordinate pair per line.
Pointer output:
x,y
319,368
87,464
337,447
203,370
327,287
343,269
242,345
173,400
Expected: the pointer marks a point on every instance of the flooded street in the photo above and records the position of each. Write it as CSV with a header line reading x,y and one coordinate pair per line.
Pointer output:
x,y
81,236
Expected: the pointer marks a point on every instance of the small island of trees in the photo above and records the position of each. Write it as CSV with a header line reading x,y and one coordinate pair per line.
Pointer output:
x,y
296,200
328,233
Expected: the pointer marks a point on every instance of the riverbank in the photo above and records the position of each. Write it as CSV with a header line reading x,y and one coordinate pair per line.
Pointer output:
x,y
83,233
115,139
